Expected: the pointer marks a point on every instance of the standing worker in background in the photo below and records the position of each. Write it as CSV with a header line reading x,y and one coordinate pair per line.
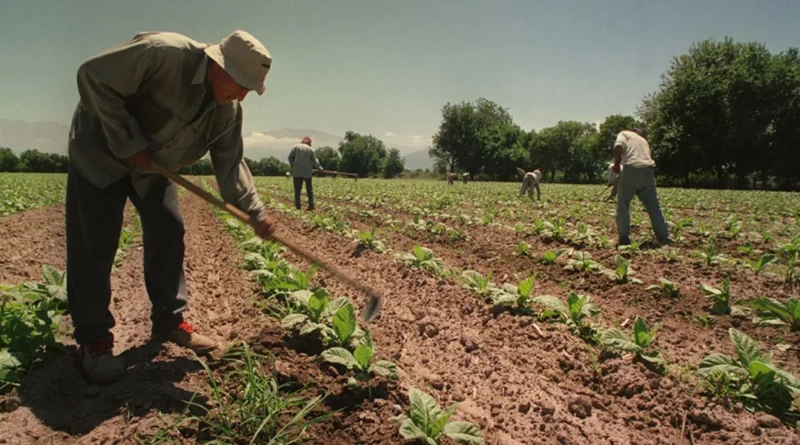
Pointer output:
x,y
303,161
530,180
161,97
613,181
632,151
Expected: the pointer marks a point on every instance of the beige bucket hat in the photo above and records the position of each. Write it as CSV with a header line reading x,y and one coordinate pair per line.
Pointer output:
x,y
243,57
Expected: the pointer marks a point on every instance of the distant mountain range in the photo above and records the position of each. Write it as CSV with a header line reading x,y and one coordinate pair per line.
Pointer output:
x,y
51,137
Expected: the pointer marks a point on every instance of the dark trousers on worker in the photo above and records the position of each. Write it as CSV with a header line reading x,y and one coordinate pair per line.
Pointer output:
x,y
94,222
298,187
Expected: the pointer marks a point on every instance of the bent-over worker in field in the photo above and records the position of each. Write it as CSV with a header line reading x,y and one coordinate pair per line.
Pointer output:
x,y
530,180
303,161
465,177
164,97
451,178
613,181
633,159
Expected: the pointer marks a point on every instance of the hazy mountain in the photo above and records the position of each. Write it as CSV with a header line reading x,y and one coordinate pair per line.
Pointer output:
x,y
418,159
46,136
51,137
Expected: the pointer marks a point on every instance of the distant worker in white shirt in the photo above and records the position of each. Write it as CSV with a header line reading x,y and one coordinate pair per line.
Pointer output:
x,y
530,180
613,181
632,151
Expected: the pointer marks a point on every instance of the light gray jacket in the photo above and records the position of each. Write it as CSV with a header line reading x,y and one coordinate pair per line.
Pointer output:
x,y
145,94
303,160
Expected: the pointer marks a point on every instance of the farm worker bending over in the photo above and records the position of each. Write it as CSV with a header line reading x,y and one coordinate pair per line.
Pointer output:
x,y
160,96
613,181
303,162
450,178
632,151
465,177
530,180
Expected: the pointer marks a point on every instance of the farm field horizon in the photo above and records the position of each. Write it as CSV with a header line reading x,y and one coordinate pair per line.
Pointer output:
x,y
524,314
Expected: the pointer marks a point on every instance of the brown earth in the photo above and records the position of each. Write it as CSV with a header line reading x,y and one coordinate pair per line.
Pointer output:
x,y
522,381
514,362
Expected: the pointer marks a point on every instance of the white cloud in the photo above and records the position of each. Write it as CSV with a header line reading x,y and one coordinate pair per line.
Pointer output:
x,y
419,139
390,134
256,139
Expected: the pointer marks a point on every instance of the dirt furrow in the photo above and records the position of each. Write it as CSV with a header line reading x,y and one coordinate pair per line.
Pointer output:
x,y
521,386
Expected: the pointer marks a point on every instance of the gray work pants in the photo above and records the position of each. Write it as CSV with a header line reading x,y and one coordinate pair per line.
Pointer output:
x,y
298,187
641,182
94,222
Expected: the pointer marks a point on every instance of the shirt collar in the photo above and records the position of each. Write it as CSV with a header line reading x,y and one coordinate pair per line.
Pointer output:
x,y
200,75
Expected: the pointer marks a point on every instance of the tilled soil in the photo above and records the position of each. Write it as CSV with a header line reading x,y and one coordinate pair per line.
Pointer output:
x,y
522,381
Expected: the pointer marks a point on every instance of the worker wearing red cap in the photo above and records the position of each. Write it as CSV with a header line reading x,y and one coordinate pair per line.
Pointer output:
x,y
303,161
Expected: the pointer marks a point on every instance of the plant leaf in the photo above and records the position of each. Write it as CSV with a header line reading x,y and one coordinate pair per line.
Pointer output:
x,y
463,432
292,320
423,409
615,339
363,355
344,323
746,348
721,363
339,356
410,431
551,302
386,369
526,286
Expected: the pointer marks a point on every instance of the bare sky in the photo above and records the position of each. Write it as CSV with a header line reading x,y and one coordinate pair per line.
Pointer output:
x,y
387,67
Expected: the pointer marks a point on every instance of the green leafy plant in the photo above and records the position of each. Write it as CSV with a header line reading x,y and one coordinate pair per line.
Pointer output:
x,y
772,312
30,317
523,249
360,361
753,378
550,257
721,300
582,262
480,285
334,322
367,240
517,297
575,313
639,344
759,264
423,258
666,288
428,423
623,273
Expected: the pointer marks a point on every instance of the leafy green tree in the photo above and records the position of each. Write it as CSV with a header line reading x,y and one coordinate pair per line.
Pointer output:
x,y
394,165
272,166
9,162
328,158
465,131
363,155
715,111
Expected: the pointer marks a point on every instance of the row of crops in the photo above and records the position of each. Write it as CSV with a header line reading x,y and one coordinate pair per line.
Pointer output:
x,y
25,191
751,376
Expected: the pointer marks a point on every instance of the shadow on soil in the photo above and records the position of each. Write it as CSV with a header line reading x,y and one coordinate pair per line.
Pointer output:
x,y
61,399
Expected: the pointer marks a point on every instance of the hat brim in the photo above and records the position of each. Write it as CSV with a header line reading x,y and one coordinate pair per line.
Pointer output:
x,y
214,52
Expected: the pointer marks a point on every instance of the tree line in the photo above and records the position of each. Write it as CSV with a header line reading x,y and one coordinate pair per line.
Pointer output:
x,y
726,114
364,155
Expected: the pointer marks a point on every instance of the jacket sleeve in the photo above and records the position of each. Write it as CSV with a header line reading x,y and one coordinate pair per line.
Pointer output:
x,y
107,79
291,156
235,180
315,161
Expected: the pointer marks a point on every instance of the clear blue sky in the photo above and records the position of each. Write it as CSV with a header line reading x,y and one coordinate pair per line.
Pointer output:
x,y
389,66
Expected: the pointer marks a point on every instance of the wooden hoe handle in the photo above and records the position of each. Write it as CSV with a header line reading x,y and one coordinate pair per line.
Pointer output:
x,y
373,306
